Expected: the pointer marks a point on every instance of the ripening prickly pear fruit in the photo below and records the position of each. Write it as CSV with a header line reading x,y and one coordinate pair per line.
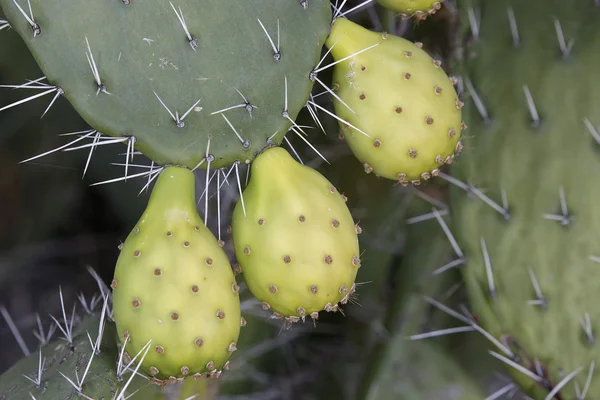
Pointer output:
x,y
419,8
174,285
295,238
400,99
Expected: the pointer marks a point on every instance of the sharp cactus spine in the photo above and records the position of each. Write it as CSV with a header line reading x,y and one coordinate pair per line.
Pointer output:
x,y
173,73
402,101
174,287
295,239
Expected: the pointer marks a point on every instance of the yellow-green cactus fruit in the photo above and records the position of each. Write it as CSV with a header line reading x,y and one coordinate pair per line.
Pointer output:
x,y
419,8
295,239
400,98
174,287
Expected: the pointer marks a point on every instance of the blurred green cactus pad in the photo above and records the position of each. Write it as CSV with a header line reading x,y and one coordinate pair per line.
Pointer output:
x,y
189,80
531,246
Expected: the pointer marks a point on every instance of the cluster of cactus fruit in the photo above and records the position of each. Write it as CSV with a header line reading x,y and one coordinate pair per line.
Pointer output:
x,y
172,82
189,94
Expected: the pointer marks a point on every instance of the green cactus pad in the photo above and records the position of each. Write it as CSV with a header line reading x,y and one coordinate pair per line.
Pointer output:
x,y
421,9
174,285
403,102
295,238
142,51
60,357
536,142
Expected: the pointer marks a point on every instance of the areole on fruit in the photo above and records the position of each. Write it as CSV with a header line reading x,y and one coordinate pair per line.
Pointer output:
x,y
174,288
295,238
400,98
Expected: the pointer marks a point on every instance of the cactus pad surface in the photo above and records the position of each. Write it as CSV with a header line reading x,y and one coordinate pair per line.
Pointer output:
x,y
532,269
123,63
174,286
72,361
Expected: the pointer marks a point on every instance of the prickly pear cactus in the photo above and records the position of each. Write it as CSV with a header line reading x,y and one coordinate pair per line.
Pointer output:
x,y
420,9
182,79
419,369
295,239
531,270
174,288
403,112
47,370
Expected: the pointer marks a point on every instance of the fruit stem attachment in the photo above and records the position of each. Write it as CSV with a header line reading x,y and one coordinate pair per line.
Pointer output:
x,y
174,191
196,389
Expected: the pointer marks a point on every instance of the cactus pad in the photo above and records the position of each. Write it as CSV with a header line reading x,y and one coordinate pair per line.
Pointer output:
x,y
295,238
174,285
419,8
400,98
61,360
536,289
119,61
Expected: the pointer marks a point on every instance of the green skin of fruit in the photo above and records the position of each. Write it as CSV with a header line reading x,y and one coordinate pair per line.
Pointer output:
x,y
297,244
142,48
531,165
174,285
412,6
403,100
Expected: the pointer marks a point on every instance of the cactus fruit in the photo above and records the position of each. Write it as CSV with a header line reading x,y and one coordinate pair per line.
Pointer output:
x,y
160,75
421,9
72,360
174,285
294,239
531,270
400,98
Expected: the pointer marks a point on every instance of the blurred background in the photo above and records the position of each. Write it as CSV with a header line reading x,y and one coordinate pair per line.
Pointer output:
x,y
54,225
